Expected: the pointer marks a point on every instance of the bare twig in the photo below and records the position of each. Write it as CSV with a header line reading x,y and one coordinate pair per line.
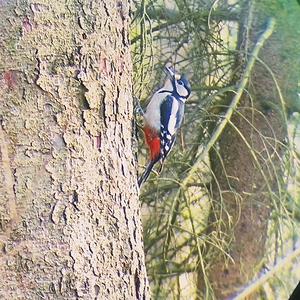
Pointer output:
x,y
217,133
261,40
259,282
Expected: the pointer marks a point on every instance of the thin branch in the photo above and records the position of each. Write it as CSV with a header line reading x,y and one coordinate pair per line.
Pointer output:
x,y
259,282
242,85
178,18
264,36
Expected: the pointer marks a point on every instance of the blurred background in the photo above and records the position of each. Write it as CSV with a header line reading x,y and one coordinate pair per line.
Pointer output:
x,y
222,219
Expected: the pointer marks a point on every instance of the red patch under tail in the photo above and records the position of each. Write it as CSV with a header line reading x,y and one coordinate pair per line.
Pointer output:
x,y
153,141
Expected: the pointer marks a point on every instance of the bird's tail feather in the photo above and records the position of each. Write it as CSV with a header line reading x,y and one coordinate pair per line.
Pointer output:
x,y
146,173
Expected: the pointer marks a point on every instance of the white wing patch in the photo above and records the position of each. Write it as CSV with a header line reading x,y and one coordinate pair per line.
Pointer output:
x,y
172,119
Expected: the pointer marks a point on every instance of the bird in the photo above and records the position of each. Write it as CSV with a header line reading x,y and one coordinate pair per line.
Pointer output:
x,y
163,118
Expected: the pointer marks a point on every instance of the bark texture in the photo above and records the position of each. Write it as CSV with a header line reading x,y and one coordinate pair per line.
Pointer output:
x,y
69,211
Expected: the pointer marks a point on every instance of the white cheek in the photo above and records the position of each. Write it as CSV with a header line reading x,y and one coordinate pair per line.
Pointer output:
x,y
181,90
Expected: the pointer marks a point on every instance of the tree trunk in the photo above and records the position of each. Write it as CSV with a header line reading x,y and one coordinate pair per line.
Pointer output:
x,y
69,211
248,169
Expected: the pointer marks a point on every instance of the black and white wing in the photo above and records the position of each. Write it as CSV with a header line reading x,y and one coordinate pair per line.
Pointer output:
x,y
171,115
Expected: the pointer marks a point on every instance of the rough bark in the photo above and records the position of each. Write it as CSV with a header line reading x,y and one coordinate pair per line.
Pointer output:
x,y
69,212
245,189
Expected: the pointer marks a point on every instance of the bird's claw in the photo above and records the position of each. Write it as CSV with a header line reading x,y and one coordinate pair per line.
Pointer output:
x,y
138,108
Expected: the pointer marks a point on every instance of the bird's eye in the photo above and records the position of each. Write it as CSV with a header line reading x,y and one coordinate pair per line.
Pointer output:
x,y
180,82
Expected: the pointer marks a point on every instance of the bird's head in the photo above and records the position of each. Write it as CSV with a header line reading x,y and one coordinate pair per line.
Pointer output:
x,y
180,83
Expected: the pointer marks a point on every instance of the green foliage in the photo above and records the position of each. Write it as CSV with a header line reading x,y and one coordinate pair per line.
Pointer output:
x,y
287,14
200,39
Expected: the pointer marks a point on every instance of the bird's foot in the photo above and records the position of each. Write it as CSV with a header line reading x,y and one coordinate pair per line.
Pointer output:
x,y
137,107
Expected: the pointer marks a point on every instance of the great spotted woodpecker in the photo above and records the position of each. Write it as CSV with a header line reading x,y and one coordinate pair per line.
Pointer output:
x,y
163,118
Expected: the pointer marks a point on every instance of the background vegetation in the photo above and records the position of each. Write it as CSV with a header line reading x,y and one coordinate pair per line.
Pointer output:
x,y
225,209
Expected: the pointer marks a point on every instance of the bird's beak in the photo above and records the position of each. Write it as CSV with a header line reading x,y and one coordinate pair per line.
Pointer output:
x,y
170,72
